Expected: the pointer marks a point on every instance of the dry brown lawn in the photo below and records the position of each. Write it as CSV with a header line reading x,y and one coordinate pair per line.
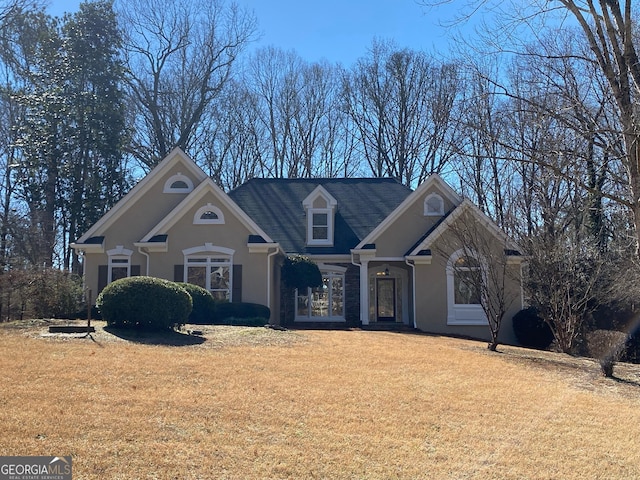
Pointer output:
x,y
264,404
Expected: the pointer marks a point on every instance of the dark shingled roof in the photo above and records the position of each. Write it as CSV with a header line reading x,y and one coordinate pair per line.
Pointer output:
x,y
276,206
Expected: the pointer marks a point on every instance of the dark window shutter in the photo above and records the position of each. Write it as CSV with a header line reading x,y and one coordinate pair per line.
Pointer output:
x,y
135,270
236,292
178,273
102,277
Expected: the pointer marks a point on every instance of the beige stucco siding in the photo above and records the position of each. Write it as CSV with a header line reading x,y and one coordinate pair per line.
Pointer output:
x,y
233,234
148,210
432,306
406,230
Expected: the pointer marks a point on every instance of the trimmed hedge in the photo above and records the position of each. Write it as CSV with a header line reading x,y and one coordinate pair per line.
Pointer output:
x,y
146,303
531,330
245,322
204,305
241,310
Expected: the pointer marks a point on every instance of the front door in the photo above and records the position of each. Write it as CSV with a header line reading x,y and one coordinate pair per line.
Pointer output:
x,y
386,299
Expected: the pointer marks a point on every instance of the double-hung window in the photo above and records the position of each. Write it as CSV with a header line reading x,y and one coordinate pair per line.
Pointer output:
x,y
212,273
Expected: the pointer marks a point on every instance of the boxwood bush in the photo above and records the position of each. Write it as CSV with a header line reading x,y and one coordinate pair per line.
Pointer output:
x,y
204,305
234,313
144,302
531,330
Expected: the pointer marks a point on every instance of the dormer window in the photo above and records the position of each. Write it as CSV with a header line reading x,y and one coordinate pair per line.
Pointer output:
x,y
207,215
320,208
319,227
178,183
433,205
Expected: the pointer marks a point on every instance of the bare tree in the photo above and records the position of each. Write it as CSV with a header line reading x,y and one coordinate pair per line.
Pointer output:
x,y
483,272
402,103
179,56
607,28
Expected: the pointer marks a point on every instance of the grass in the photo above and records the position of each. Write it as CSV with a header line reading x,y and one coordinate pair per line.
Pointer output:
x,y
263,404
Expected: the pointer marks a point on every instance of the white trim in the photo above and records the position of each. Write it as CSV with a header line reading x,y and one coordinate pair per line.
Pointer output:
x,y
462,314
142,187
420,259
331,271
320,191
118,253
198,220
327,242
120,250
433,181
329,209
263,247
397,273
465,206
323,267
208,248
207,251
207,186
178,177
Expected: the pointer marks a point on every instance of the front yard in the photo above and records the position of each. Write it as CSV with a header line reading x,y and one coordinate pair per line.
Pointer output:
x,y
259,404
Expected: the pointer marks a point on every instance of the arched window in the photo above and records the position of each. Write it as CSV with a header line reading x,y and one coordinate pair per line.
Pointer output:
x,y
207,215
433,205
464,290
178,183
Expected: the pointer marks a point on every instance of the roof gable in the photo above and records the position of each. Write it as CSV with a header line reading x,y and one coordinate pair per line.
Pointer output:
x,y
176,156
320,193
207,186
434,182
440,228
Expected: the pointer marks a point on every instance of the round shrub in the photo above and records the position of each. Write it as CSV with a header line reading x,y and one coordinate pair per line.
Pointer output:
x,y
204,305
240,310
144,302
531,330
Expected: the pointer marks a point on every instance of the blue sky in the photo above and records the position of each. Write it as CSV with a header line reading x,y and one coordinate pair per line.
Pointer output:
x,y
338,30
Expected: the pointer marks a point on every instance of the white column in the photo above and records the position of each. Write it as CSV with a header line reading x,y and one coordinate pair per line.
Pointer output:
x,y
364,291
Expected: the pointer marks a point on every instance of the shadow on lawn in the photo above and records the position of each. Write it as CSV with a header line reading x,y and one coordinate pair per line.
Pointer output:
x,y
170,338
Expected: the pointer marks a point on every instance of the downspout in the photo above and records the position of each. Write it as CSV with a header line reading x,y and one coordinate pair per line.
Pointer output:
x,y
146,255
413,285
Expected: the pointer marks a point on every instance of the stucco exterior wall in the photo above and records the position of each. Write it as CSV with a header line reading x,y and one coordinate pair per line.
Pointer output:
x,y
432,306
402,234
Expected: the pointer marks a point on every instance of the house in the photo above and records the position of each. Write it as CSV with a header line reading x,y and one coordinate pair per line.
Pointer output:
x,y
388,254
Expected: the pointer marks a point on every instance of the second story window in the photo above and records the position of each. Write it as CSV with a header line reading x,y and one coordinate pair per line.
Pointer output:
x,y
320,227
320,207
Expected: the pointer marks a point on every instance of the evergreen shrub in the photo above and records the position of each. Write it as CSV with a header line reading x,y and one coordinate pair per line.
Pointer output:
x,y
204,305
242,310
146,303
531,330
